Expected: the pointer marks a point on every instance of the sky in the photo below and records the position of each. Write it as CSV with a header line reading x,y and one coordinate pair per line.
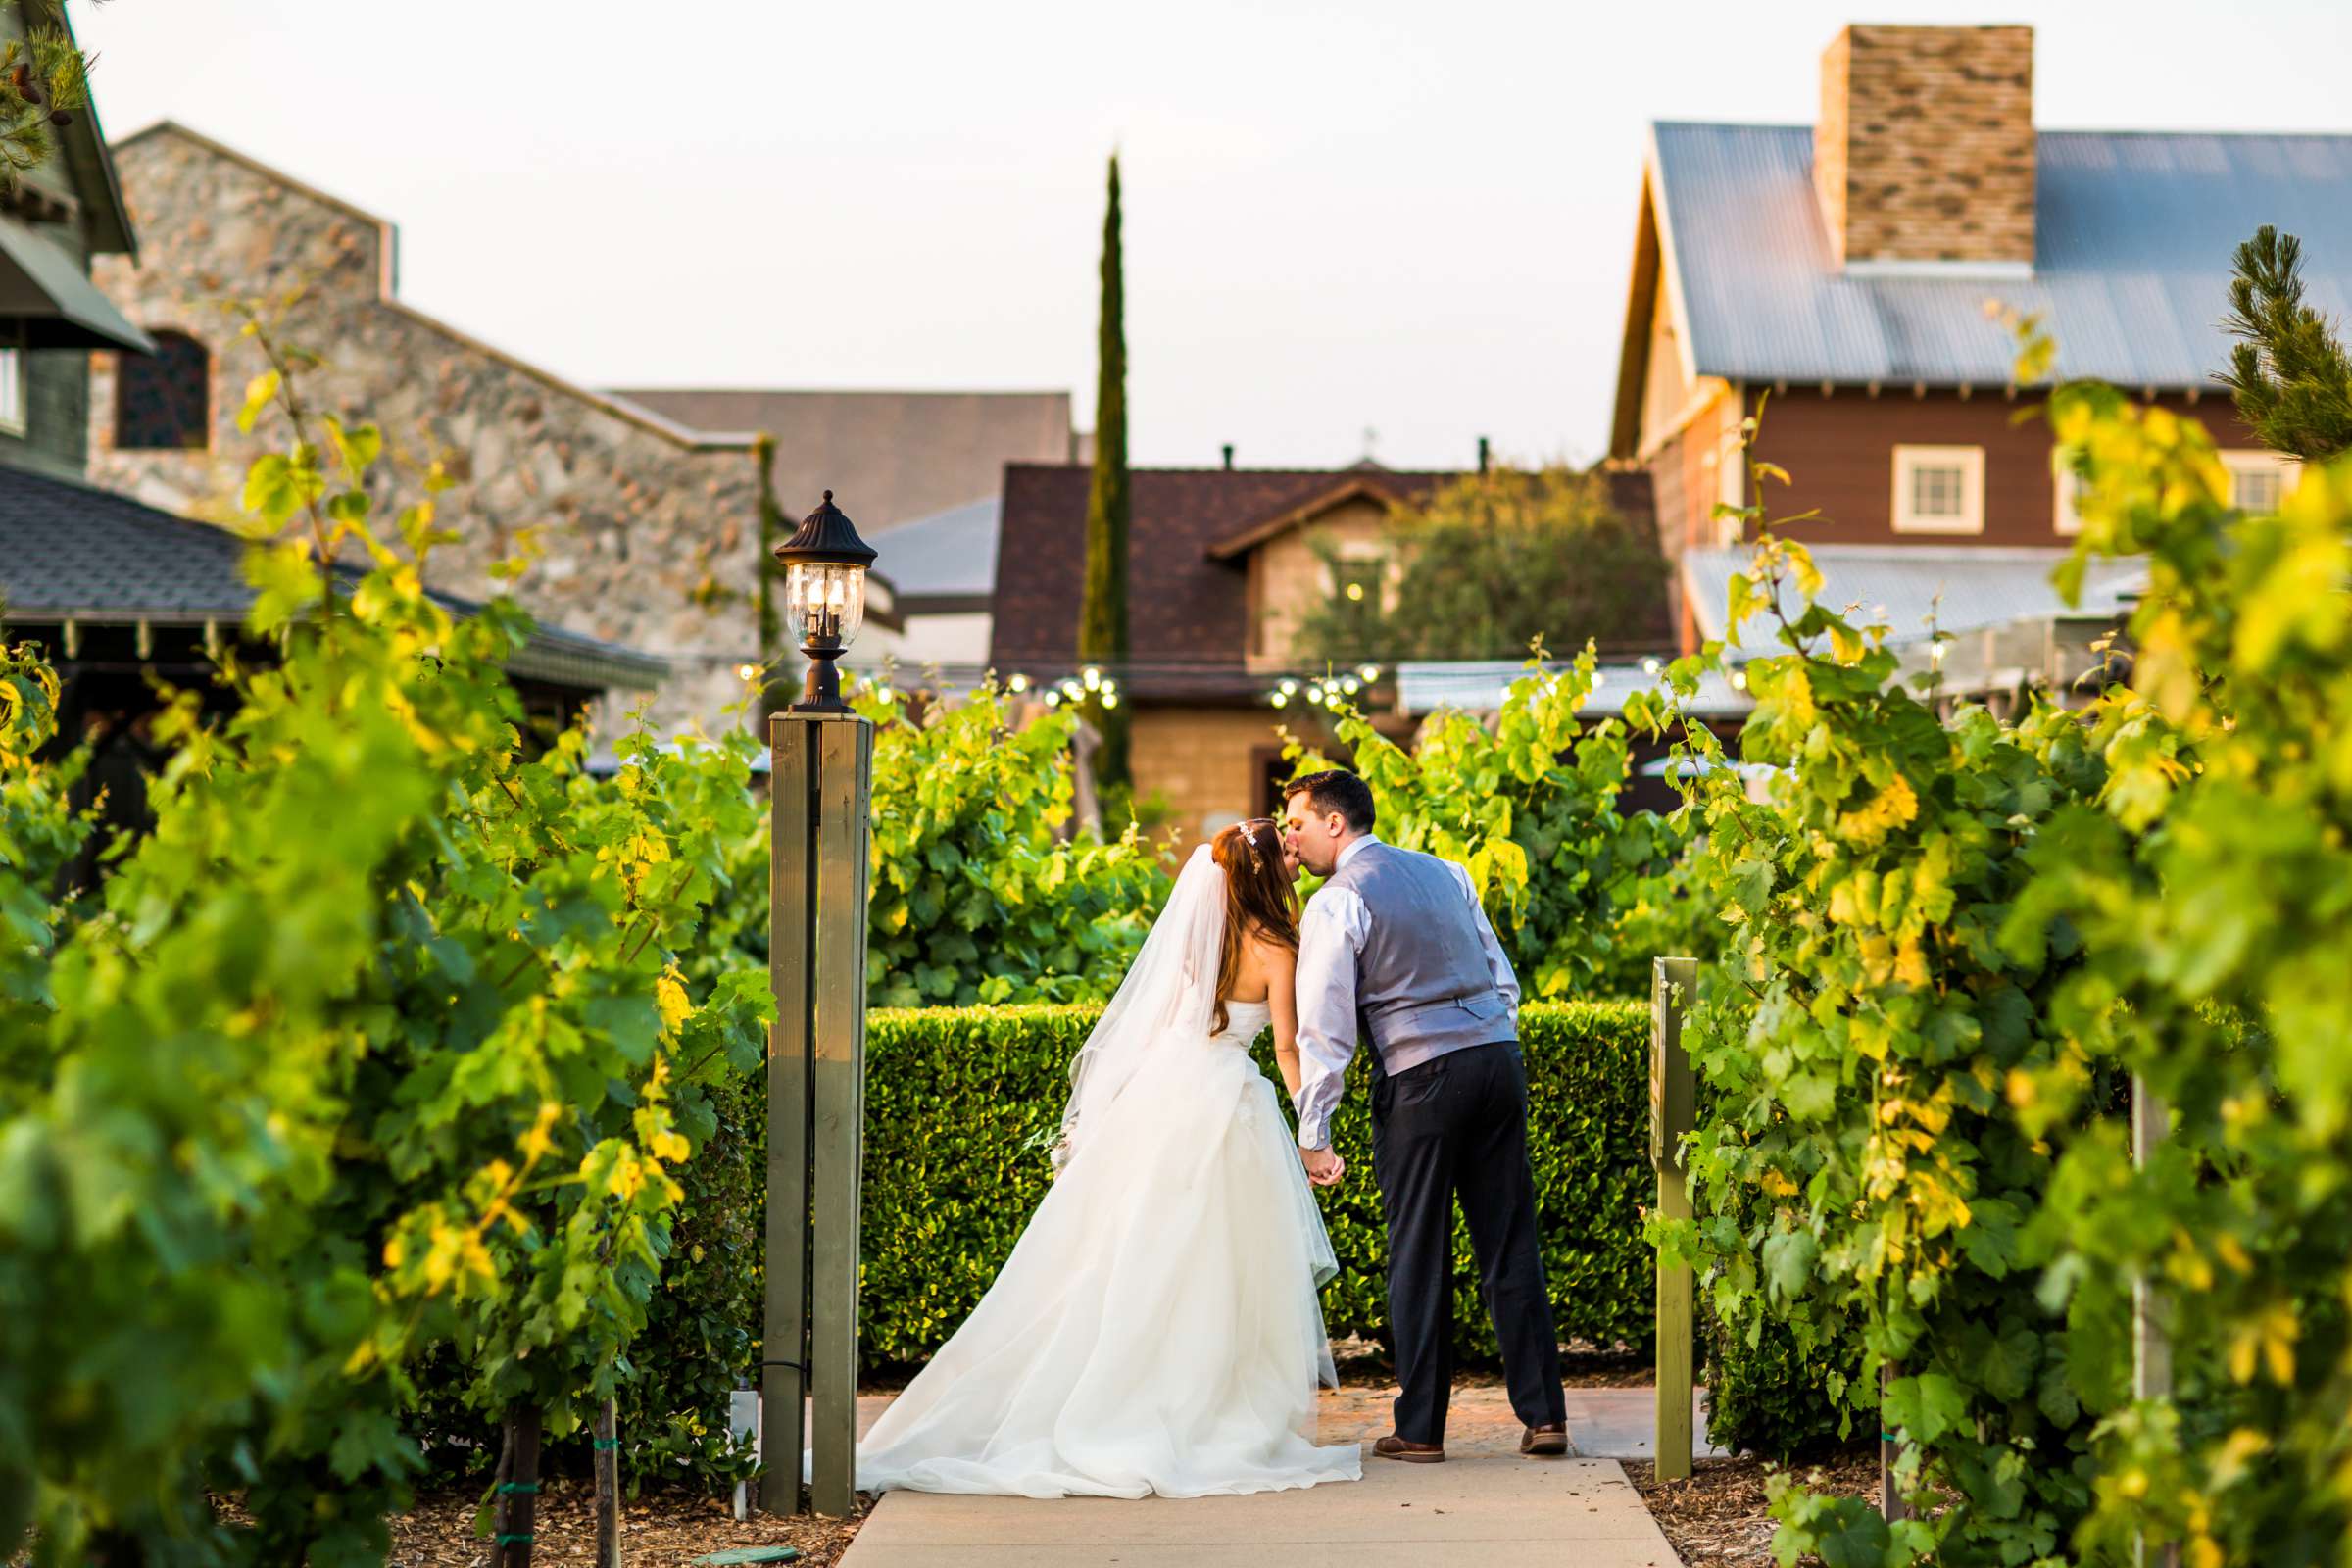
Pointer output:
x,y
1371,228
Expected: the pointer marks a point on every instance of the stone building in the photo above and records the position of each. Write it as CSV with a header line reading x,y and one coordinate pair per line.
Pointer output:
x,y
639,528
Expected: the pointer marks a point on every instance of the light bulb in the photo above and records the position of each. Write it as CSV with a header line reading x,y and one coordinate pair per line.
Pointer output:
x,y
1094,677
1649,666
1019,683
1288,686
1370,672
1314,693
1279,699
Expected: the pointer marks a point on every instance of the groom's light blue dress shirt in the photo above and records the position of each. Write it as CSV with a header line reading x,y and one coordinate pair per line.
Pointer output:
x,y
1331,935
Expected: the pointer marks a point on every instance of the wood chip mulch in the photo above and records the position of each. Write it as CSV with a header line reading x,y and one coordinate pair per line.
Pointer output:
x,y
1716,1518
655,1532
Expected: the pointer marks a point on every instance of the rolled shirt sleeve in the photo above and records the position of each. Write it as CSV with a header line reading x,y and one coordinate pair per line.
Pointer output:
x,y
1499,967
1330,937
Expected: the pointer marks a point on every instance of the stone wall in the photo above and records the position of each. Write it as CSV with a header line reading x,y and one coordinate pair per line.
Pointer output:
x,y
648,534
1925,147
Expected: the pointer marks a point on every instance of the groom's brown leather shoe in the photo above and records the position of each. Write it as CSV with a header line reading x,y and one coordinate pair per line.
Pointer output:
x,y
1394,1447
1544,1441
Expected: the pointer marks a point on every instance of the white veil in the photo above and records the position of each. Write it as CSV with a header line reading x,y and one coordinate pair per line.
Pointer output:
x,y
1169,997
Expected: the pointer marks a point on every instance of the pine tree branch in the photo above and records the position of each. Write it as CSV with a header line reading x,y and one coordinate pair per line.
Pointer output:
x,y
2289,372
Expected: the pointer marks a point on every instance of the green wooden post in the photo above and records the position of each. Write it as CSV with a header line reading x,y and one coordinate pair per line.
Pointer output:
x,y
784,1373
845,753
1673,1112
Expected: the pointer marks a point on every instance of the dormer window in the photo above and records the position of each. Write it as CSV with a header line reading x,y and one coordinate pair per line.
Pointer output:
x,y
164,401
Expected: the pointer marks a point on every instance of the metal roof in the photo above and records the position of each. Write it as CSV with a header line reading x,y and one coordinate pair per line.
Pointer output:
x,y
950,553
71,552
2135,233
1478,686
1901,586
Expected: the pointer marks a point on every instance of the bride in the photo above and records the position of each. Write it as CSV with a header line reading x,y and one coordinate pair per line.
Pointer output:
x,y
1156,1328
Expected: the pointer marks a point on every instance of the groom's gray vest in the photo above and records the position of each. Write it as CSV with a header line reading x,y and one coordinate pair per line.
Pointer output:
x,y
1422,986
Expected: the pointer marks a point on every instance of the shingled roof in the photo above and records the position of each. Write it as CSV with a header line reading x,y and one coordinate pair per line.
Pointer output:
x,y
71,552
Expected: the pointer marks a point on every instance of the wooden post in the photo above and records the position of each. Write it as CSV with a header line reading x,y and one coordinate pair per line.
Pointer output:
x,y
518,1510
784,1356
1673,1112
2151,1317
607,1463
1891,1497
845,750
822,785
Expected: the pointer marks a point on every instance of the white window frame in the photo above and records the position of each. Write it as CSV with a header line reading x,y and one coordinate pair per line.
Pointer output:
x,y
2243,462
14,389
2067,514
1971,463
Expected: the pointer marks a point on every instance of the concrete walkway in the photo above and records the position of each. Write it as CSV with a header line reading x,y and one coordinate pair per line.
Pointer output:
x,y
1484,1507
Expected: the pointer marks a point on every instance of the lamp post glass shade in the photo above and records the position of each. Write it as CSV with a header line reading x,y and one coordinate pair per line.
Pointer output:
x,y
824,595
826,604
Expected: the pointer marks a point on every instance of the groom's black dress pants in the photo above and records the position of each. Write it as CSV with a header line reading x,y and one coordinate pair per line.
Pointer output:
x,y
1458,1127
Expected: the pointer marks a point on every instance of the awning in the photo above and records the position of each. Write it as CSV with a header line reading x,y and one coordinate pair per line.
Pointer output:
x,y
61,308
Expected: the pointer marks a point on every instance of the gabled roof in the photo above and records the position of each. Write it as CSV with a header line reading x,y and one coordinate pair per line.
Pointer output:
x,y
950,556
1188,613
1355,484
71,552
2134,235
891,457
83,148
387,290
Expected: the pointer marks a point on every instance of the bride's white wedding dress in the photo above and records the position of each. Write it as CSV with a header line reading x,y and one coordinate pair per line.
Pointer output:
x,y
1156,1328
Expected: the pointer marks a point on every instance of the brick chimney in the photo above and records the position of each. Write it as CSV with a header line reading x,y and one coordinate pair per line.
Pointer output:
x,y
1925,147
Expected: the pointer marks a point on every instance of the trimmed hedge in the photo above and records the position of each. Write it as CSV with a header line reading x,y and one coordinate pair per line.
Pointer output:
x,y
960,1100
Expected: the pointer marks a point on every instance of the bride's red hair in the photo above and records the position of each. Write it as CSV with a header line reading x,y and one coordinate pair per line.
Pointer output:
x,y
1259,898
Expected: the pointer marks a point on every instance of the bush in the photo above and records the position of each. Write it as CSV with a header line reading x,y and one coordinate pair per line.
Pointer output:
x,y
958,1101
1769,1397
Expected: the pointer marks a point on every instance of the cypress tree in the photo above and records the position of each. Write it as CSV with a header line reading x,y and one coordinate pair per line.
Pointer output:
x,y
776,676
1102,612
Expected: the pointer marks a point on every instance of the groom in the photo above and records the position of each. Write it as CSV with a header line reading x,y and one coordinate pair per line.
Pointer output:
x,y
1396,942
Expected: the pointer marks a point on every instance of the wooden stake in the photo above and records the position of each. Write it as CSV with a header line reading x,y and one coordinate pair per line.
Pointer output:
x,y
608,1484
2151,1317
1673,1113
518,1515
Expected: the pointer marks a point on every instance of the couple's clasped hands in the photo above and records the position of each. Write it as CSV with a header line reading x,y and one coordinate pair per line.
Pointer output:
x,y
1323,1168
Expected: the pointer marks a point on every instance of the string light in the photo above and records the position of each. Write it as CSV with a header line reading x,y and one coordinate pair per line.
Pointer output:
x,y
747,672
1288,687
1370,672
1649,666
1279,699
1094,677
1019,683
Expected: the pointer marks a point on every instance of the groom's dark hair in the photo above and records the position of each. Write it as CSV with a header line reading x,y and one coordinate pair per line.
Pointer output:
x,y
1334,789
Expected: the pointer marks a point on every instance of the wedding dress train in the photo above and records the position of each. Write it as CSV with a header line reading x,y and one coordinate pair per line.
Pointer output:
x,y
1156,1328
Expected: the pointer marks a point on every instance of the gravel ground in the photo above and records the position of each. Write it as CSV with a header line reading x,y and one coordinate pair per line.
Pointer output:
x,y
657,1531
1716,1518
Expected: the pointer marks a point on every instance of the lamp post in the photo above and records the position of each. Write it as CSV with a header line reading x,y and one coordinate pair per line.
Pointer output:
x,y
824,599
822,761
